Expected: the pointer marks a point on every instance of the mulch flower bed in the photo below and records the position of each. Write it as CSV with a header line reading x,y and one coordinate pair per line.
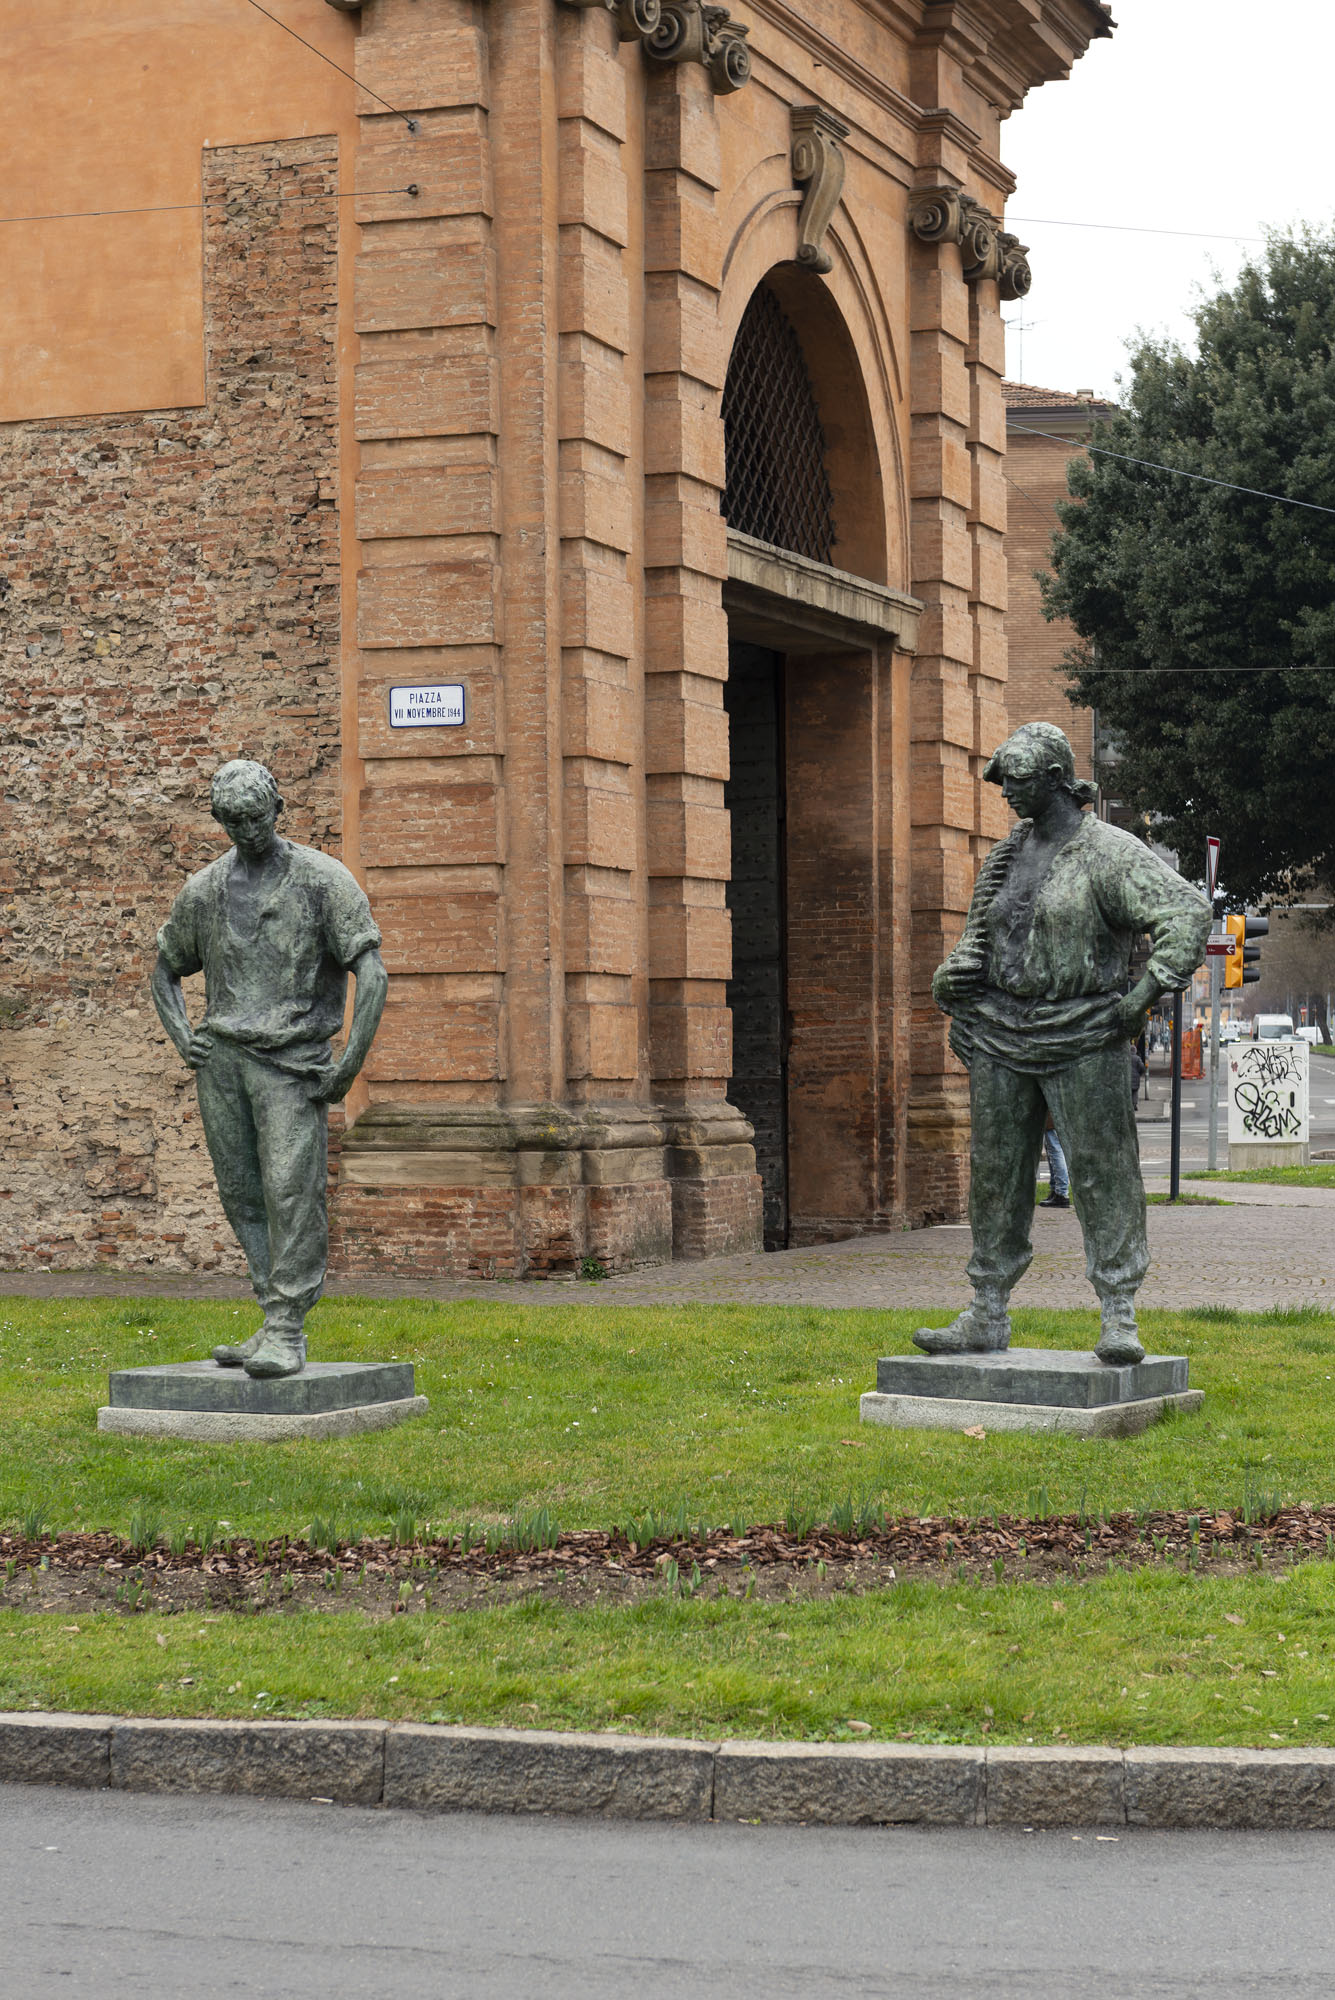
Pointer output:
x,y
379,1573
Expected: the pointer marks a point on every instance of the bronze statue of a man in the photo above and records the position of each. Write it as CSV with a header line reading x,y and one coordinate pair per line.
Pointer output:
x,y
1041,1016
275,929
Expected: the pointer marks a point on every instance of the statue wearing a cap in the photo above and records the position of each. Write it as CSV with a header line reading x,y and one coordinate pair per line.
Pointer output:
x,y
1037,989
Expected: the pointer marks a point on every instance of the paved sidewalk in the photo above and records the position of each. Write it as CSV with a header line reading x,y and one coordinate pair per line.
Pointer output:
x,y
1267,1249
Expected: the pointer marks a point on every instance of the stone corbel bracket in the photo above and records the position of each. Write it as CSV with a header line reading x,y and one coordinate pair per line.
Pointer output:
x,y
945,215
1015,277
818,166
677,31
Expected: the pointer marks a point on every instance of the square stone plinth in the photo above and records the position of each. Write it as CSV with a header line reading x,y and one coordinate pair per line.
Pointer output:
x,y
1027,1389
198,1399
1031,1375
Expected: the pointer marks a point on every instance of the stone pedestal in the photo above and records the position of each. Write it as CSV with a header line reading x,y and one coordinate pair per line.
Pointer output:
x,y
1244,1154
1027,1389
198,1399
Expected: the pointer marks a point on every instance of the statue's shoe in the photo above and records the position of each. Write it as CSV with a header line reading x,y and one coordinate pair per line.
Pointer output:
x,y
237,1357
1119,1340
277,1354
976,1331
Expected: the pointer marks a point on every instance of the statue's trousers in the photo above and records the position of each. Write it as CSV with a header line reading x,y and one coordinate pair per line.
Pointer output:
x,y
270,1147
1090,1102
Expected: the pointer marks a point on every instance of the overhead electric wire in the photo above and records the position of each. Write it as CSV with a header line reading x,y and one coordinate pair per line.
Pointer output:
x,y
1131,229
411,123
1037,505
1154,465
180,207
1046,513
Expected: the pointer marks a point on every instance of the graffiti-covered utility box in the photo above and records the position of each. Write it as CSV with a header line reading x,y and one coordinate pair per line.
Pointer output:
x,y
1267,1104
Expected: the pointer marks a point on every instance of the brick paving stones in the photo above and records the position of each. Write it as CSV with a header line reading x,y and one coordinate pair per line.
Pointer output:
x,y
1269,1248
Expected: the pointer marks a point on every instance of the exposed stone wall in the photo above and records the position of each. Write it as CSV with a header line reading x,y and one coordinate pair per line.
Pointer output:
x,y
717,1218
171,600
501,1232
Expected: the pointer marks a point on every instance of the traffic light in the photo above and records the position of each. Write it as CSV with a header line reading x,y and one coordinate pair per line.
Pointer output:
x,y
1240,967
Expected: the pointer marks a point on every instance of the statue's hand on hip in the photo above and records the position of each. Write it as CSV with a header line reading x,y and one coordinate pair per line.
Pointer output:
x,y
957,979
1129,1019
331,1088
197,1049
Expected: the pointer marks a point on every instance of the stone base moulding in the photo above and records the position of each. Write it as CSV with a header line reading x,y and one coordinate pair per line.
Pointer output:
x,y
213,1405
446,1769
1027,1389
218,1427
941,1413
536,1190
1248,1153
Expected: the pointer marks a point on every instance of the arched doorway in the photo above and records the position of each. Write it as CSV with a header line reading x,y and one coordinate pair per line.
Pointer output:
x,y
813,633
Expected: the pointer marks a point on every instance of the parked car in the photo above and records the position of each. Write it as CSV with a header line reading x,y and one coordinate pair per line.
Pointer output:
x,y
1229,1031
1272,1028
1312,1035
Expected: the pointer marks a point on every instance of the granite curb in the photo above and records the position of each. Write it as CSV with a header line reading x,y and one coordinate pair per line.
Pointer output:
x,y
433,1768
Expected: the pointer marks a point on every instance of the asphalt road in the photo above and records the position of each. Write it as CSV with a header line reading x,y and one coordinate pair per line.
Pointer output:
x,y
113,1895
1154,1134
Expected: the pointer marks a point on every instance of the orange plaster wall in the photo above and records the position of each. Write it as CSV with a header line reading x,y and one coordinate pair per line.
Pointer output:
x,y
108,104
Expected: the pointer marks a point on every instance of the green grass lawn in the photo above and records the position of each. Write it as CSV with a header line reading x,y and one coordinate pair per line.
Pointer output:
x,y
601,1412
1321,1174
1143,1657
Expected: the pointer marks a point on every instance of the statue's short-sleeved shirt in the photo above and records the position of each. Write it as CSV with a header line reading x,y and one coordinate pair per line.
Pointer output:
x,y
279,992
1057,955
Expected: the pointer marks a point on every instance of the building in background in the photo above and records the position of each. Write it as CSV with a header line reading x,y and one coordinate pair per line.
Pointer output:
x,y
566,443
1045,429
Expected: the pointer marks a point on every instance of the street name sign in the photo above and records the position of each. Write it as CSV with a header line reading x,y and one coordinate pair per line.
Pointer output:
x,y
438,706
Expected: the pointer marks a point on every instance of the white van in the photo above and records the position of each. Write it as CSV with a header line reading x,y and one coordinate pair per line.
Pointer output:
x,y
1273,1028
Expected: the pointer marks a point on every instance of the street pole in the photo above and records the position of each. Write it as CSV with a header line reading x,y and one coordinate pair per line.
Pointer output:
x,y
1216,931
1214,1063
1175,1145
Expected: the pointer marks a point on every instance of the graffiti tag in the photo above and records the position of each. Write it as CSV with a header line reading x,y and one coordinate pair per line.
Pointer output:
x,y
1272,1062
1265,1115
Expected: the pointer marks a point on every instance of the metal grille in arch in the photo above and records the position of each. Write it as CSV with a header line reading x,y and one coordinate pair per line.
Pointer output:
x,y
777,487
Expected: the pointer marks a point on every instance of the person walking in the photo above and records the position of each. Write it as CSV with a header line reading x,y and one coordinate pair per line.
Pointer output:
x,y
1137,1074
1059,1178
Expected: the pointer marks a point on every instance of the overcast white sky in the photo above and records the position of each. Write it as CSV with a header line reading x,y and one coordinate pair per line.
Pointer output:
x,y
1209,115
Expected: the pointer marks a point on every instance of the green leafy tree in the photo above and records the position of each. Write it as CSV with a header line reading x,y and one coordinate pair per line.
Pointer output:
x,y
1206,616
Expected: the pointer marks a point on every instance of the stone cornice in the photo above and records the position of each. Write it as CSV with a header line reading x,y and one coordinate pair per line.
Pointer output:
x,y
946,124
831,606
1075,424
1006,48
970,30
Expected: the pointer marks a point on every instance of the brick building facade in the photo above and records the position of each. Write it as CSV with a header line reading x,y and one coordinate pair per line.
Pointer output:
x,y
467,373
1045,429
